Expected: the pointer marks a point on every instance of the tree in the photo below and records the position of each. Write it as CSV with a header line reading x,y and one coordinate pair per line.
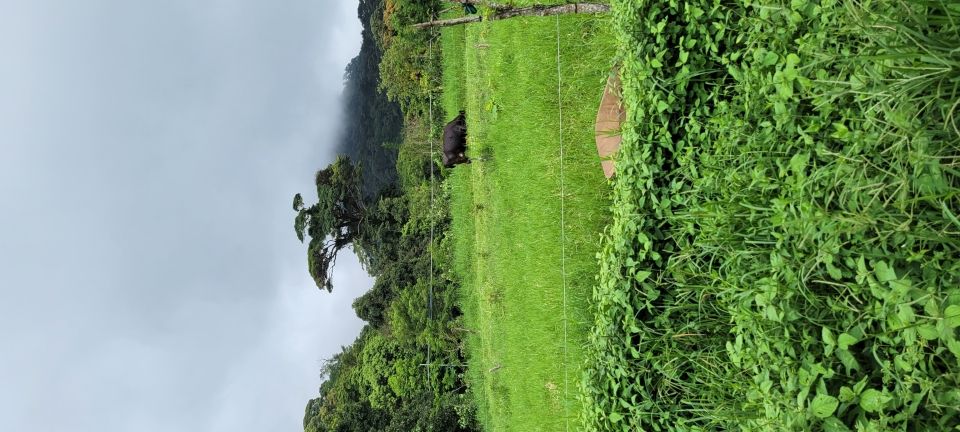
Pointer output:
x,y
502,12
369,120
335,221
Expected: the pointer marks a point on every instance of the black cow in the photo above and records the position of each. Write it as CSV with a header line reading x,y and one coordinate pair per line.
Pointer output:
x,y
455,142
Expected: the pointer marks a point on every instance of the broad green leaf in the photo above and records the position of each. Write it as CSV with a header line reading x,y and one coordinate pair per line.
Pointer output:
x,y
860,385
772,313
951,316
884,272
906,314
616,417
790,74
846,394
798,163
848,360
779,108
928,332
785,90
954,347
802,396
901,362
834,424
827,336
873,400
845,340
834,272
840,131
932,307
642,275
823,406
792,60
770,59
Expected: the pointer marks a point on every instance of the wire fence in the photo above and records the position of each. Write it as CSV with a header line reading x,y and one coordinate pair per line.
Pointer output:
x,y
563,240
563,274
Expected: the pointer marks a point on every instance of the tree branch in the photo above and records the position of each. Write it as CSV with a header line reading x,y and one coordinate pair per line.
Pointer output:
x,y
535,10
491,5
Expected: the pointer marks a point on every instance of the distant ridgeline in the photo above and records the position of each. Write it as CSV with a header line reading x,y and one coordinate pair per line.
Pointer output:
x,y
406,370
373,124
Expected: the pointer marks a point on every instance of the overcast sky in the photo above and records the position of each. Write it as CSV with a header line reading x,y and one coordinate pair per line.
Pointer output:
x,y
150,278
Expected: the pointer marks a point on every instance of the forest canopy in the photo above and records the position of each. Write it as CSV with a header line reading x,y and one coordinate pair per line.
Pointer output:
x,y
405,371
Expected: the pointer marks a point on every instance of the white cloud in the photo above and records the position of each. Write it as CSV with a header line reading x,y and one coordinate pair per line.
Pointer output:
x,y
150,150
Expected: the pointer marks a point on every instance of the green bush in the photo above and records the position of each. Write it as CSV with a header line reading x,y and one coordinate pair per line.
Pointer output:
x,y
409,70
783,251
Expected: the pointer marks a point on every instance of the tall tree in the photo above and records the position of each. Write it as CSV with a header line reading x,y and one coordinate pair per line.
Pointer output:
x,y
336,219
372,124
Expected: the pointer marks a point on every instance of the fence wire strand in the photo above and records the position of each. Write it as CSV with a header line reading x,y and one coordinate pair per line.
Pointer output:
x,y
563,240
563,243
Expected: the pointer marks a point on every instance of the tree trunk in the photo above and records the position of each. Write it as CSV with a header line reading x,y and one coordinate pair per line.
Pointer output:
x,y
448,22
491,5
537,10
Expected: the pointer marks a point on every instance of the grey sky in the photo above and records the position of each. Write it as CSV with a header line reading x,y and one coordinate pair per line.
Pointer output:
x,y
149,151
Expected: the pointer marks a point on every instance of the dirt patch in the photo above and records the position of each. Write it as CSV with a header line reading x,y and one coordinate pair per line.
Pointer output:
x,y
610,117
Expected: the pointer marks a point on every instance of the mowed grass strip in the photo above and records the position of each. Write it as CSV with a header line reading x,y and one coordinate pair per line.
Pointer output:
x,y
507,218
452,43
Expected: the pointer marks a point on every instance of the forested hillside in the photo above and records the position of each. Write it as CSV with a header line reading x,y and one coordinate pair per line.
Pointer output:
x,y
405,371
372,123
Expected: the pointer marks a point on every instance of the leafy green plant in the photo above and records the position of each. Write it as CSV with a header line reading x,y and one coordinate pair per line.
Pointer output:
x,y
782,253
526,344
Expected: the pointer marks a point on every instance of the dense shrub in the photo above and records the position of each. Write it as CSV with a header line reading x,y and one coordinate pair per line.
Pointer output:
x,y
784,249
409,70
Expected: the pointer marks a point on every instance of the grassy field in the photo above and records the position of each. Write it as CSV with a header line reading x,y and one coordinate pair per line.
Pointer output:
x,y
526,349
453,49
783,251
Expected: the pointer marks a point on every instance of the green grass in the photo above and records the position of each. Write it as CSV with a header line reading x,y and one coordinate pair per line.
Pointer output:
x,y
453,43
507,215
783,251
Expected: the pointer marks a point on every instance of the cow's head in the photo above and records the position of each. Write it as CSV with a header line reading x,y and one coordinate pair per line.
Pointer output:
x,y
450,161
